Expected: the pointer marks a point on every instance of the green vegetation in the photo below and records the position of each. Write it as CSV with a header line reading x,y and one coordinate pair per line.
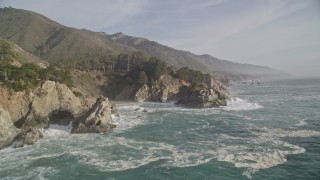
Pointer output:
x,y
77,93
6,54
148,71
189,75
86,50
143,78
29,74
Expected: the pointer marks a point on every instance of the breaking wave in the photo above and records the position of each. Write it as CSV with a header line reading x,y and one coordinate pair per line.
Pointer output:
x,y
238,104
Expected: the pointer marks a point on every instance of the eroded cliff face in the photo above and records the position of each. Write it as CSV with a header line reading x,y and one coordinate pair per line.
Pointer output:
x,y
8,132
210,93
97,119
24,114
165,89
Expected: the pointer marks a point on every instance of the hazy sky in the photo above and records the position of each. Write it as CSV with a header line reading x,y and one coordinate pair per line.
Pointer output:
x,y
283,34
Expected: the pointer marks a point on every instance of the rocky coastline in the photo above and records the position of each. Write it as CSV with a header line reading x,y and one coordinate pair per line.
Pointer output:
x,y
209,93
24,114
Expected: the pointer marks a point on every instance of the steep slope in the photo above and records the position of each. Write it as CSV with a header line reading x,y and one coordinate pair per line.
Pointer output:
x,y
171,56
52,41
22,56
26,28
83,48
179,58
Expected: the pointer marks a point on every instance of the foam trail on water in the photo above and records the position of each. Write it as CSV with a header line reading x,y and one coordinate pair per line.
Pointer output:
x,y
238,104
61,128
302,122
265,150
131,115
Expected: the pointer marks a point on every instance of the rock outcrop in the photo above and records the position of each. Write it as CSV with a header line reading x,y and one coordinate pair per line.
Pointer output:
x,y
29,137
165,89
48,98
24,114
8,132
143,94
209,93
97,119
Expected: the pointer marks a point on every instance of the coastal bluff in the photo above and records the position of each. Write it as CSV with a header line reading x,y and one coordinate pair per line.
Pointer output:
x,y
207,94
24,114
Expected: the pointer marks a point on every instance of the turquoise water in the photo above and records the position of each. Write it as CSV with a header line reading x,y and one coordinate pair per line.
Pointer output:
x,y
268,131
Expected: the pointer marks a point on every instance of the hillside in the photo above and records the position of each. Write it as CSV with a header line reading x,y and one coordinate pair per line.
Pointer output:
x,y
52,41
84,49
20,55
171,56
179,58
20,70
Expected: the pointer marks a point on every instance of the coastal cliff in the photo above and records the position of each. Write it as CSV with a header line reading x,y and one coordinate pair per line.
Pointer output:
x,y
24,114
209,93
165,89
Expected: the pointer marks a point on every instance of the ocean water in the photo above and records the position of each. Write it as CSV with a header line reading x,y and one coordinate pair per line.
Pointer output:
x,y
268,131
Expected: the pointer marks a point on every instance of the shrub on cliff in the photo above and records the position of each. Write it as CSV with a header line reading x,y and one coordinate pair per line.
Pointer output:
x,y
21,78
30,74
194,77
6,53
143,78
154,68
148,71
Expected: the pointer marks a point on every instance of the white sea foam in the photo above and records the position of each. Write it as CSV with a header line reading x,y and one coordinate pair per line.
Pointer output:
x,y
135,114
40,172
302,122
61,128
137,109
144,152
131,115
238,104
125,122
128,106
266,149
56,132
280,133
242,157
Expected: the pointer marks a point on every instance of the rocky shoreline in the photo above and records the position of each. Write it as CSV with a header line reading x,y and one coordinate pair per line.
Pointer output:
x,y
209,93
24,114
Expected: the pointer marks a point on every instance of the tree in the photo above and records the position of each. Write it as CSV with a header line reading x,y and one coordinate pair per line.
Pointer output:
x,y
143,78
190,75
6,53
154,68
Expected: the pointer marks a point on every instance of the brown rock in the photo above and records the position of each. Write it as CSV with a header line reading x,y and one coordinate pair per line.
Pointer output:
x,y
8,132
29,137
96,120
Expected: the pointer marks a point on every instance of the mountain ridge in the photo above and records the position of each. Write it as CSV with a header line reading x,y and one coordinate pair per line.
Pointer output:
x,y
207,62
54,42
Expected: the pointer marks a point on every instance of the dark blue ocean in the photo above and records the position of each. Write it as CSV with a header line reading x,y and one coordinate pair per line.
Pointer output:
x,y
268,131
